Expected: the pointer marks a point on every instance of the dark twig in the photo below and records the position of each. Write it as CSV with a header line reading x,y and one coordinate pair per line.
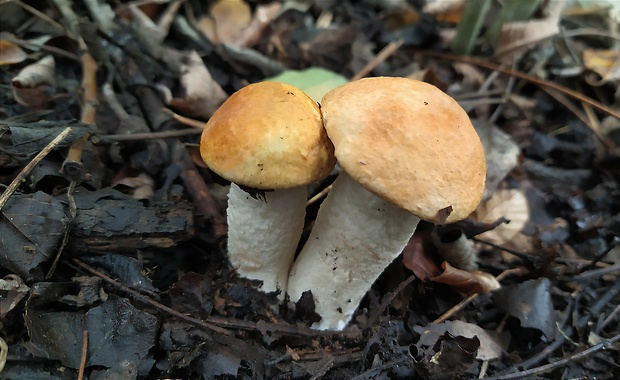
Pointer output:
x,y
28,168
109,139
217,323
387,300
579,355
142,298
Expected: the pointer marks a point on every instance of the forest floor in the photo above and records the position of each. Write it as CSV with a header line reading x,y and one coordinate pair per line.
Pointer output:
x,y
113,231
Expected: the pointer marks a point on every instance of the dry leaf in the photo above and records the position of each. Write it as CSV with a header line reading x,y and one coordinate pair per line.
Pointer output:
x,y
519,36
605,63
142,186
467,282
510,204
227,21
34,86
263,17
12,290
418,256
11,53
492,344
203,95
445,11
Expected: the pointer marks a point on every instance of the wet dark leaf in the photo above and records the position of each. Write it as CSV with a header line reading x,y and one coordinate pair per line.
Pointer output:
x,y
119,336
186,295
127,269
28,139
530,302
31,227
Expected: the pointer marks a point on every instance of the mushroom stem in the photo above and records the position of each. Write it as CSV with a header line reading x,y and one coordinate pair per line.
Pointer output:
x,y
263,233
355,236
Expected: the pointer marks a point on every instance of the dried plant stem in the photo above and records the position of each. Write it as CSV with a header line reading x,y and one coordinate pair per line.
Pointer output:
x,y
453,310
185,120
28,168
384,54
73,166
547,367
109,139
4,352
84,352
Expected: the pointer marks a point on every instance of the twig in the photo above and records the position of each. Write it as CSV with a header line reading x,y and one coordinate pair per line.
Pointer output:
x,y
579,355
185,120
65,237
387,300
595,273
319,195
28,168
84,353
216,323
326,364
142,298
73,166
110,139
453,310
384,54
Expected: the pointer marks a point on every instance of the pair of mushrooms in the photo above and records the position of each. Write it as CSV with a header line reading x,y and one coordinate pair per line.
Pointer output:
x,y
408,152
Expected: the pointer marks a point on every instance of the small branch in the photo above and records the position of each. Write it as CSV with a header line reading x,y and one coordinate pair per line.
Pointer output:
x,y
579,355
384,54
142,298
84,353
21,177
110,139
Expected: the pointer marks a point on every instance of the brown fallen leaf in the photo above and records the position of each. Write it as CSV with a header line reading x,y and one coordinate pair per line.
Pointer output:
x,y
227,21
203,95
34,85
517,37
418,256
467,282
11,53
605,63
263,17
142,186
507,203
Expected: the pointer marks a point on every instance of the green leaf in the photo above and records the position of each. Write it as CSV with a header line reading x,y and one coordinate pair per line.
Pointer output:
x,y
467,31
314,81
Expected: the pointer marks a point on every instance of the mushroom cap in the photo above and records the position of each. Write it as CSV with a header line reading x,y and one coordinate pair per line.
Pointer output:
x,y
409,143
268,135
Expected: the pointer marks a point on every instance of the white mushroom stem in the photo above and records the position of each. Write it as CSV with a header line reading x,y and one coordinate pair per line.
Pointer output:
x,y
356,235
263,233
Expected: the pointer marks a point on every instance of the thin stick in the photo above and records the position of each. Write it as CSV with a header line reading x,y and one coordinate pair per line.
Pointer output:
x,y
547,367
320,195
84,353
109,139
453,310
142,298
28,168
384,54
185,120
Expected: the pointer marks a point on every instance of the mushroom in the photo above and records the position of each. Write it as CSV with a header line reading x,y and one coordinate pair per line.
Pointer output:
x,y
268,140
408,152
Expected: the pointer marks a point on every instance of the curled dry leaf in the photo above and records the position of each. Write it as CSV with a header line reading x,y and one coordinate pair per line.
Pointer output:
x,y
11,53
12,290
467,282
142,186
418,256
33,87
605,63
506,203
203,95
